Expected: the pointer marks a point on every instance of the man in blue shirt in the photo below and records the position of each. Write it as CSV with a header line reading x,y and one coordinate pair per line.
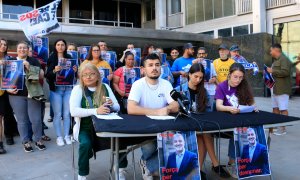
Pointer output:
x,y
181,63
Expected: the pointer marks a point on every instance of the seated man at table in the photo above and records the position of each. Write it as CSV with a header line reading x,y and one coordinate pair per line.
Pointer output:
x,y
151,96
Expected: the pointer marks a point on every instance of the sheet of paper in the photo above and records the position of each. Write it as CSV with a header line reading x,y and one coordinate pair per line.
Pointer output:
x,y
161,117
109,116
246,109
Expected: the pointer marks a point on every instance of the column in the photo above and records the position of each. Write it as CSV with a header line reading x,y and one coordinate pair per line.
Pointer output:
x,y
160,14
65,11
259,16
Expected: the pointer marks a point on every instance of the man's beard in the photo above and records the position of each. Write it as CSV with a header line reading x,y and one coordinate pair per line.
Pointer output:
x,y
154,77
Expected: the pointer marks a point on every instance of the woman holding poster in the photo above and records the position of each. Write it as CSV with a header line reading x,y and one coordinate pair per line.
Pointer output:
x,y
195,91
94,58
27,109
230,95
59,95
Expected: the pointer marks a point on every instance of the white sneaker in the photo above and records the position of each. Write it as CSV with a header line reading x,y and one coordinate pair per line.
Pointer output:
x,y
145,171
122,173
60,141
232,170
68,140
81,177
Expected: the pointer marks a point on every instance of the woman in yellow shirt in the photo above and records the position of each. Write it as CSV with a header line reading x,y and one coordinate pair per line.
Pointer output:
x,y
94,58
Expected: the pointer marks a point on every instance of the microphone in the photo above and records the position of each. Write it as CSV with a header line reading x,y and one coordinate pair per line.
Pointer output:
x,y
181,101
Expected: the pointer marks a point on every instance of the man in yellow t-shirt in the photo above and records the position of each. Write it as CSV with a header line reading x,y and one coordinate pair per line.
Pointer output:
x,y
222,64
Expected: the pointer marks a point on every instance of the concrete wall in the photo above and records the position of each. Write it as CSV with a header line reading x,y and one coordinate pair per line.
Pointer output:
x,y
254,47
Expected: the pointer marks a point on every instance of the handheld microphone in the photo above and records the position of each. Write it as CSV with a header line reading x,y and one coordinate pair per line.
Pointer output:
x,y
178,97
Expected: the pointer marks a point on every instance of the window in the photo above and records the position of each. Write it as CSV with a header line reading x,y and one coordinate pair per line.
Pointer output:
x,y
210,33
59,8
107,12
203,10
150,10
130,12
224,32
175,6
13,7
240,30
81,11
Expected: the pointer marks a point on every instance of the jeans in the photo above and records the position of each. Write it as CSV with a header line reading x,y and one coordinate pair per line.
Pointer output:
x,y
150,155
61,108
27,110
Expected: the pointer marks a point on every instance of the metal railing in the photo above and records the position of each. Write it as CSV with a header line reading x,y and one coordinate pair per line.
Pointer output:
x,y
244,6
64,20
278,3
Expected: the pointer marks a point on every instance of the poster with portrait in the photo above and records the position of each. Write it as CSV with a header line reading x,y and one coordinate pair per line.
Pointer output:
x,y
166,73
40,50
73,54
83,52
137,56
130,76
110,57
252,157
178,155
104,73
12,76
163,58
66,76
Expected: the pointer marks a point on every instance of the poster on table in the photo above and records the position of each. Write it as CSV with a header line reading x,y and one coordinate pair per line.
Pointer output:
x,y
40,49
110,57
130,76
40,21
83,52
12,75
252,157
66,76
178,155
104,73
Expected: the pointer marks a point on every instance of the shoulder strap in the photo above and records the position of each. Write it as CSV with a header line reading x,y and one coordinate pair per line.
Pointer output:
x,y
88,98
106,91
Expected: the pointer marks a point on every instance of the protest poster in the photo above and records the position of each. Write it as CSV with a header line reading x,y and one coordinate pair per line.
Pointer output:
x,y
104,73
40,49
252,157
39,22
83,52
268,78
163,58
130,76
12,75
110,57
166,73
181,146
74,55
66,76
137,56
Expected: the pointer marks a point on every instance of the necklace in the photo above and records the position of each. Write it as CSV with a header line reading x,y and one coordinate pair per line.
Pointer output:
x,y
152,87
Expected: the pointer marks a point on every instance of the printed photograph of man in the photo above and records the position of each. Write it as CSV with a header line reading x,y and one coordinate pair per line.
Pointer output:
x,y
40,52
254,157
186,162
68,74
132,77
104,75
13,76
83,53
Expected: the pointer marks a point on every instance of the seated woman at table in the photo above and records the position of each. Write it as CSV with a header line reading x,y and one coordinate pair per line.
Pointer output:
x,y
195,91
230,94
87,99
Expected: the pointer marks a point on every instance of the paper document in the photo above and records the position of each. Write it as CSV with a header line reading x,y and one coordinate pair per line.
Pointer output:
x,y
161,117
246,109
109,116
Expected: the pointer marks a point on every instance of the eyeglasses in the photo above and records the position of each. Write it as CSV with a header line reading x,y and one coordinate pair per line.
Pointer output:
x,y
91,75
201,53
96,50
174,53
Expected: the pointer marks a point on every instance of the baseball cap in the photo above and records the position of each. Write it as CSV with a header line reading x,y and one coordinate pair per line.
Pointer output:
x,y
223,46
188,46
234,48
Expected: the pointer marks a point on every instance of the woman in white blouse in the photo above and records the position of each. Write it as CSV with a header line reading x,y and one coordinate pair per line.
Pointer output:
x,y
90,97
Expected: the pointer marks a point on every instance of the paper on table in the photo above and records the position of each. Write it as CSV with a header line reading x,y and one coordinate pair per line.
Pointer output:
x,y
108,116
246,109
161,117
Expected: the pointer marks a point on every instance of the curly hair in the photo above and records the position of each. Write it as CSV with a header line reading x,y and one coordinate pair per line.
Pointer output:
x,y
201,95
243,90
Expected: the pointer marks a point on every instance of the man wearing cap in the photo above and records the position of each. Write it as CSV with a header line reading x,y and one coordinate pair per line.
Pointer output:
x,y
223,63
181,63
235,54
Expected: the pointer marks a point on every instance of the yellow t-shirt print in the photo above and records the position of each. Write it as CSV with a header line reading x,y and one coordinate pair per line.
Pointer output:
x,y
222,68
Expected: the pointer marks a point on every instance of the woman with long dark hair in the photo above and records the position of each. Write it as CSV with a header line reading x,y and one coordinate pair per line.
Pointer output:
x,y
59,95
229,95
195,91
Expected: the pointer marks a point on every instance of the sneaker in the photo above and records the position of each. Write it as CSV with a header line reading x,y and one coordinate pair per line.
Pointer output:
x,y
60,141
40,146
2,150
68,140
50,119
28,147
10,140
122,173
220,171
81,177
280,131
232,170
145,171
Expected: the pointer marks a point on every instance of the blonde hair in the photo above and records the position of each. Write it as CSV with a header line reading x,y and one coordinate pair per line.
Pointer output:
x,y
98,99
